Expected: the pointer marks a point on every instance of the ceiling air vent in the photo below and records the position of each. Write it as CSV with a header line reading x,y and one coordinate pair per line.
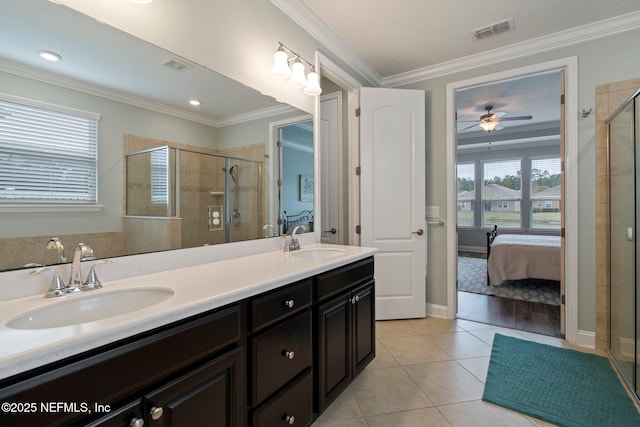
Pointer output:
x,y
177,64
497,28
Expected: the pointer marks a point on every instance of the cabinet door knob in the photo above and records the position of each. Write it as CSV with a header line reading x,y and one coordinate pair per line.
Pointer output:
x,y
289,354
290,303
156,413
289,419
136,422
355,299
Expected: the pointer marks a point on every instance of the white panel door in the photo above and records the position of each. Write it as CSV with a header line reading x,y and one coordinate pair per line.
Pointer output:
x,y
392,149
331,169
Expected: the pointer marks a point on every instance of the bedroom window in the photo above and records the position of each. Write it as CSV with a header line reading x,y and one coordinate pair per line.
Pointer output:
x,y
502,193
466,191
48,154
545,193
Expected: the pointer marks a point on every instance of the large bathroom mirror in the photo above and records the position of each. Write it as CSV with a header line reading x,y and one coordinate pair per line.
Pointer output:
x,y
170,174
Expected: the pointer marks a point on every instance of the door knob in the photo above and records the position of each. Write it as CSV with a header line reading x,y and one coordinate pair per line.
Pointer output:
x,y
332,231
156,413
419,232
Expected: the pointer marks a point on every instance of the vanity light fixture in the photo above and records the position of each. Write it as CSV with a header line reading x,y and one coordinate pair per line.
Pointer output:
x,y
49,56
296,72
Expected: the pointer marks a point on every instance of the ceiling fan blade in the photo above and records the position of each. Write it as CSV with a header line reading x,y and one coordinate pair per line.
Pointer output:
x,y
517,118
498,127
468,121
499,114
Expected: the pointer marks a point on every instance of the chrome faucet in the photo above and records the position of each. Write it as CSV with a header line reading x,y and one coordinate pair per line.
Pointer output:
x,y
292,243
57,288
82,252
56,244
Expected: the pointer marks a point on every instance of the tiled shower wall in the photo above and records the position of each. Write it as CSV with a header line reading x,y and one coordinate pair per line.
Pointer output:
x,y
608,98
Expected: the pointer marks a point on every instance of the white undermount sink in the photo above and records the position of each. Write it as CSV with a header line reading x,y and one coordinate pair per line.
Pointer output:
x,y
318,253
96,305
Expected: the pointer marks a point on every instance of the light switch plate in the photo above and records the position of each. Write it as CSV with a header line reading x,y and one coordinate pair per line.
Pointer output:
x,y
432,211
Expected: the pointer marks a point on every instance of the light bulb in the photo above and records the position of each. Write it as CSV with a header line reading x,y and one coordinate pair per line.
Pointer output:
x,y
297,78
313,84
281,68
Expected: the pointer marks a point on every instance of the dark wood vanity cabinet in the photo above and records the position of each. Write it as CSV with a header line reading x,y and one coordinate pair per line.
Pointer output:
x,y
345,328
104,386
278,358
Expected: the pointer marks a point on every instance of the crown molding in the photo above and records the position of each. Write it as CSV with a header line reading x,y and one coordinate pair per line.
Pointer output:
x,y
263,113
596,30
318,30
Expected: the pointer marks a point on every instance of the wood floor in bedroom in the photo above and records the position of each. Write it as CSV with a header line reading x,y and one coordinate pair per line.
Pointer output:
x,y
509,313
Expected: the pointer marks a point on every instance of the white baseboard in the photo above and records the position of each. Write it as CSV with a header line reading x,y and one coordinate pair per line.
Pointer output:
x,y
586,339
434,310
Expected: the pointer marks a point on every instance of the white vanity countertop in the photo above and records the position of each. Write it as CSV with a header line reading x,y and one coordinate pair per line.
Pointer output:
x,y
197,289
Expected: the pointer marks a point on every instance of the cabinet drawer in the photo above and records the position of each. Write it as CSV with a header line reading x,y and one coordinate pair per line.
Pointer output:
x,y
281,353
275,306
296,401
342,278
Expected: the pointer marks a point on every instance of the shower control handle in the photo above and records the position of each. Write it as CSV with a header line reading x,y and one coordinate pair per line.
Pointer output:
x,y
332,231
419,232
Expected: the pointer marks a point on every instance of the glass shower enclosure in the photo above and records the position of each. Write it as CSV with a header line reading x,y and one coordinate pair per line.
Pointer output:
x,y
624,203
214,198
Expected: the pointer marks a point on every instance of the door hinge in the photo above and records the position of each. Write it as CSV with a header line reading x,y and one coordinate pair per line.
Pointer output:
x,y
357,229
562,298
279,143
358,112
279,183
358,170
562,99
562,232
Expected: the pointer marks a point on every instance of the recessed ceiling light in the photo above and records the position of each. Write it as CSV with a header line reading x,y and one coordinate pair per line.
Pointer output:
x,y
194,102
49,56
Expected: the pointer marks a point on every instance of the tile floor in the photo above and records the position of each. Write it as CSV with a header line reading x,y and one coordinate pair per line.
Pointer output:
x,y
428,373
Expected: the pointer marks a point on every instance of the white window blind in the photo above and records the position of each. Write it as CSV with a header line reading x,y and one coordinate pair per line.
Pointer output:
x,y
160,176
48,153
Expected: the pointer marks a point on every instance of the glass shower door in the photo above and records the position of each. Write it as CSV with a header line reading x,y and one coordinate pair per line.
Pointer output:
x,y
622,252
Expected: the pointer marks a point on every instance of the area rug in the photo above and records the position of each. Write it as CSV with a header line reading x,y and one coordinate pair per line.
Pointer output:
x,y
472,277
561,386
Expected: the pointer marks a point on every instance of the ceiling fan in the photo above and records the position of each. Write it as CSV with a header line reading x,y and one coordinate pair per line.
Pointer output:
x,y
491,121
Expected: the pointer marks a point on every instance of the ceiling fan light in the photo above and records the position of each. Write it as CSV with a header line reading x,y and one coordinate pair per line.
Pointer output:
x,y
313,84
281,68
297,78
488,125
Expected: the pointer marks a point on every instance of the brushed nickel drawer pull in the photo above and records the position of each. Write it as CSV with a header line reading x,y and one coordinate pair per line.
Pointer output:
x,y
289,419
290,303
289,354
156,413
136,422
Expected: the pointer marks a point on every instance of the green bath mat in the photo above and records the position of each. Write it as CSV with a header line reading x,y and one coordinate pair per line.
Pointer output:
x,y
561,386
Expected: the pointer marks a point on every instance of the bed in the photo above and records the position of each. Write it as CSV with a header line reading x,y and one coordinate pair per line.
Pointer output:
x,y
301,218
522,256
